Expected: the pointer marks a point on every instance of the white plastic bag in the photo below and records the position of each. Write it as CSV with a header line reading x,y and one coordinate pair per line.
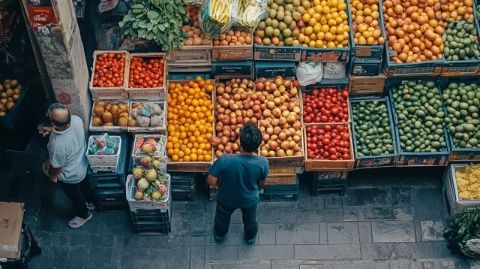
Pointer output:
x,y
334,70
309,73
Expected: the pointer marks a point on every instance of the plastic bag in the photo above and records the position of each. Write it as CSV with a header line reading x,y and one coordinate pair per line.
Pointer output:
x,y
250,13
334,70
218,16
103,145
309,73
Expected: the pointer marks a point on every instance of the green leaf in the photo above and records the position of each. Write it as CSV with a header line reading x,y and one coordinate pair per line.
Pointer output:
x,y
153,15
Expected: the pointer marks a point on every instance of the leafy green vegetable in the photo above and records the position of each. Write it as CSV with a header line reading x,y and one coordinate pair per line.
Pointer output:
x,y
159,21
462,228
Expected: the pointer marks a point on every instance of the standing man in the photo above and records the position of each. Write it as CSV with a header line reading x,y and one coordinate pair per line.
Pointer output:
x,y
239,178
67,162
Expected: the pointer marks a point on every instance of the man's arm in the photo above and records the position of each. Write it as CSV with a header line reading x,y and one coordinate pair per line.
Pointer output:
x,y
212,181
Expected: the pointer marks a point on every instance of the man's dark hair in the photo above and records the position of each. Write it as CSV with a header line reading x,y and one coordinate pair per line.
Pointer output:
x,y
250,137
59,122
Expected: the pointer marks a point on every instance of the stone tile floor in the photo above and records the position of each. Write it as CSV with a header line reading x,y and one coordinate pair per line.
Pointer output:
x,y
388,218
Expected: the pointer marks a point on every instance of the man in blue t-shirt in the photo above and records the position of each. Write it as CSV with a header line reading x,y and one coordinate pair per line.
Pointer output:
x,y
239,178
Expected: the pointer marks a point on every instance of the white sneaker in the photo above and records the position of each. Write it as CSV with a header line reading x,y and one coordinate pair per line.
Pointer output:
x,y
78,222
90,206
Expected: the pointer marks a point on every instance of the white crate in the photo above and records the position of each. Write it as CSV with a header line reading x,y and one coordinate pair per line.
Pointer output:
x,y
136,154
457,205
145,205
104,163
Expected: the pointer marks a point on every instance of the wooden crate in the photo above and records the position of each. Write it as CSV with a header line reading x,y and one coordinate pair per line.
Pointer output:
x,y
155,93
107,129
109,93
154,129
187,55
329,165
232,53
360,85
194,167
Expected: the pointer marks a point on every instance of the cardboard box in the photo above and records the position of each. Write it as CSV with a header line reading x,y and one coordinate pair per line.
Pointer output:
x,y
367,85
11,218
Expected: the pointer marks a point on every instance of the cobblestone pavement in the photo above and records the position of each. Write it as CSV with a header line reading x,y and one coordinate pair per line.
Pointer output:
x,y
387,219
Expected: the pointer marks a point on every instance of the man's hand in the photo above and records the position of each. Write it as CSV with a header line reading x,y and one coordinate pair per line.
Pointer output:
x,y
44,130
212,181
46,170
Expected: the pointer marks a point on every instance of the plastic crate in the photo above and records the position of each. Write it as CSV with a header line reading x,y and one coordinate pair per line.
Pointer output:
x,y
341,83
456,204
272,69
328,182
416,158
280,192
277,53
366,67
145,205
374,161
8,121
392,69
228,69
457,153
99,163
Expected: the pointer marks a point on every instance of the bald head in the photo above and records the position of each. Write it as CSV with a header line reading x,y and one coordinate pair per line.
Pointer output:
x,y
59,115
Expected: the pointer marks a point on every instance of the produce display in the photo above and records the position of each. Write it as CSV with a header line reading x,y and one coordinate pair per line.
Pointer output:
x,y
462,233
233,38
192,29
315,24
419,110
236,104
250,12
111,113
148,114
281,124
461,41
190,120
217,16
103,145
151,184
415,29
365,18
371,125
10,92
462,102
151,146
325,105
468,182
156,20
109,70
146,72
328,142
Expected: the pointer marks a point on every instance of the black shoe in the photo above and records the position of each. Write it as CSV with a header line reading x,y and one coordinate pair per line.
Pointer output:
x,y
251,241
218,238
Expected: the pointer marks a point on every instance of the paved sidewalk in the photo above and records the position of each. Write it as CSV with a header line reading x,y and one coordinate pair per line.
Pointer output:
x,y
378,224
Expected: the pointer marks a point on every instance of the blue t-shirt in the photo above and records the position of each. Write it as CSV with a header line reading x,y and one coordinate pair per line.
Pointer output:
x,y
239,176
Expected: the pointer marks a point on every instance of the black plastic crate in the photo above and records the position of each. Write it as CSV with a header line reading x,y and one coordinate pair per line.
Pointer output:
x,y
328,182
159,229
281,192
183,186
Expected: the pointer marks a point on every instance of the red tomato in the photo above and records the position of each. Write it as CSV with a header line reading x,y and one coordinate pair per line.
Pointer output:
x,y
146,73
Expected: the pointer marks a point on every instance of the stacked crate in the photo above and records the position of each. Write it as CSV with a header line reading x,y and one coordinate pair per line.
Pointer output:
x,y
149,217
183,186
326,182
282,184
109,187
155,221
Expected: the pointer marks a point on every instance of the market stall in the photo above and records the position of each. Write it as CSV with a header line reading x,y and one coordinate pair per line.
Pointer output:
x,y
333,86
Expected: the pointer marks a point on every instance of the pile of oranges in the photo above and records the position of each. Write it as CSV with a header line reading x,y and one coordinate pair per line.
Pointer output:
x,y
326,25
190,120
415,28
365,18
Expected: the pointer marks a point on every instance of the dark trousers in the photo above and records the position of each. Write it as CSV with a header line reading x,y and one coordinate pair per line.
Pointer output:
x,y
79,194
223,215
